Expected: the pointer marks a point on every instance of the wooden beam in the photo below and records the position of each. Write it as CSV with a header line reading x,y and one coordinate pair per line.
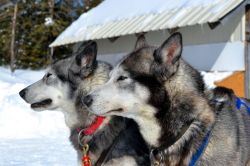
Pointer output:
x,y
12,46
247,51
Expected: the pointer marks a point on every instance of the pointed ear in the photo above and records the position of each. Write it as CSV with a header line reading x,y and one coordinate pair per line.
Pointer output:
x,y
170,51
141,42
86,56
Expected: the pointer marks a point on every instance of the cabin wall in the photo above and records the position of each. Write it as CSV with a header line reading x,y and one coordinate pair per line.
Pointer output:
x,y
206,57
220,49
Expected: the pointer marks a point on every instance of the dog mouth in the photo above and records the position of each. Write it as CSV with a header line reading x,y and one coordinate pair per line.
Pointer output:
x,y
119,110
42,103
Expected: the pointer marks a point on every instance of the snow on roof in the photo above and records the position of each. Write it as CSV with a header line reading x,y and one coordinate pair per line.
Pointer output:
x,y
114,18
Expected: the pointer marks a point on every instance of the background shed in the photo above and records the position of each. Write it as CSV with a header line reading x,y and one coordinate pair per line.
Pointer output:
x,y
215,32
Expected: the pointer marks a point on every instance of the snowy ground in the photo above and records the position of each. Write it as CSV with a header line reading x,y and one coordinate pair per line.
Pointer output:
x,y
29,138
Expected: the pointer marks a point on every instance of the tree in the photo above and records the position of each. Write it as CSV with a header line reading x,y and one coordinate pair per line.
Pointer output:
x,y
38,24
13,34
89,4
6,15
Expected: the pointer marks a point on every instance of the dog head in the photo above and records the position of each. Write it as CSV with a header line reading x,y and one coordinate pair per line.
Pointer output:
x,y
135,87
61,80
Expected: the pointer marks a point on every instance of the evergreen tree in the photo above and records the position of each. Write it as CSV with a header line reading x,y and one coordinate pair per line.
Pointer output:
x,y
39,22
89,4
5,33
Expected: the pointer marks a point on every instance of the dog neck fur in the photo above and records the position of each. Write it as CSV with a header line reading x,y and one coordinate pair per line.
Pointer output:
x,y
148,125
180,81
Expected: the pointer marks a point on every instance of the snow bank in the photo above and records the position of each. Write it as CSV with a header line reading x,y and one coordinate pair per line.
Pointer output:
x,y
29,138
17,120
44,151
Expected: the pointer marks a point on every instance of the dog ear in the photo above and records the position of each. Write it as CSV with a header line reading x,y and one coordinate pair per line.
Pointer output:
x,y
166,57
170,51
141,42
86,58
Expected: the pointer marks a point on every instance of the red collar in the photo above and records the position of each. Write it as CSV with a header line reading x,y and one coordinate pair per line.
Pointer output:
x,y
93,127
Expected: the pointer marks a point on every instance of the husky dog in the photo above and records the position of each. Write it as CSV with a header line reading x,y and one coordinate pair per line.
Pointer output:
x,y
116,139
166,97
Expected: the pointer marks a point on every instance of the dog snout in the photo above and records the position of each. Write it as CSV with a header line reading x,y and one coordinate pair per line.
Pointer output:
x,y
22,93
87,100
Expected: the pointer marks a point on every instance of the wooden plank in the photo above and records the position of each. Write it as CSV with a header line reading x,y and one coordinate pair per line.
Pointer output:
x,y
247,51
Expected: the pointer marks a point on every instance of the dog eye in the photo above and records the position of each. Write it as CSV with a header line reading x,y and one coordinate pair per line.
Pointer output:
x,y
121,78
48,75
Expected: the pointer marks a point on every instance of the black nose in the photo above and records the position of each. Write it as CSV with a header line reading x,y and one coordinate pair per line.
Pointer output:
x,y
22,93
88,100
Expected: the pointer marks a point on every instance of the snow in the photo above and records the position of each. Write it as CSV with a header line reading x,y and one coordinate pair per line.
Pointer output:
x,y
116,10
124,9
211,77
44,151
49,21
29,138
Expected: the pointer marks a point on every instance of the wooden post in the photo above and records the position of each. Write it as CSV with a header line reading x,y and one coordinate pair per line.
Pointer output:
x,y
247,51
13,34
51,50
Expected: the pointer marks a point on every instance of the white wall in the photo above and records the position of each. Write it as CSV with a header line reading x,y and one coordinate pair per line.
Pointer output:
x,y
220,49
206,57
216,57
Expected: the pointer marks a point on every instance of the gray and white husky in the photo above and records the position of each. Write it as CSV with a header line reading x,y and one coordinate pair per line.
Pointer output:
x,y
117,141
168,100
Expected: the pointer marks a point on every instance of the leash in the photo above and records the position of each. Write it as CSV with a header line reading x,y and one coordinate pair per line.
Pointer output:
x,y
107,152
196,156
90,130
240,102
86,160
200,151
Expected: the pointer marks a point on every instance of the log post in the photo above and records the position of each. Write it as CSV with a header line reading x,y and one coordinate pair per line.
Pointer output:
x,y
51,50
247,51
12,46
